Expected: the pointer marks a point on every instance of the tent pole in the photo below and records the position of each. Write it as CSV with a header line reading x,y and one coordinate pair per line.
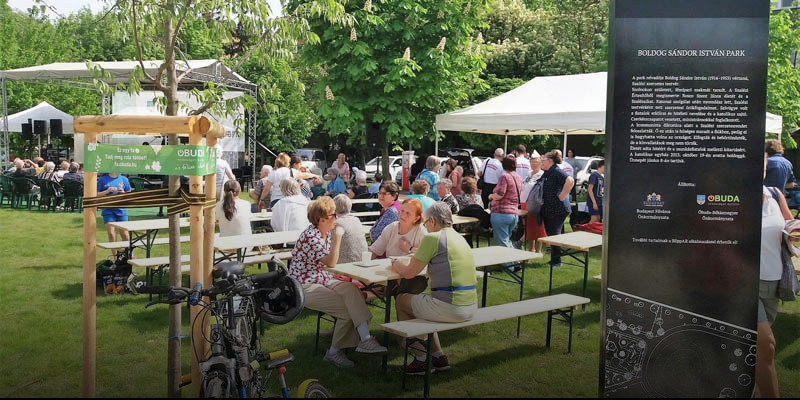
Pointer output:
x,y
436,146
5,159
505,147
565,143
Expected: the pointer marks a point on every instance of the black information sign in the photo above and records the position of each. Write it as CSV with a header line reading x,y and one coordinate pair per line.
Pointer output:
x,y
686,115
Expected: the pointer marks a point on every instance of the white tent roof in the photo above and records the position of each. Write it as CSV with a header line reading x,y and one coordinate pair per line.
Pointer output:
x,y
43,111
545,105
121,70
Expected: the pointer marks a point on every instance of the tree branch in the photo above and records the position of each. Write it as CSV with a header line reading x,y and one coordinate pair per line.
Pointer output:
x,y
110,10
204,108
188,68
180,22
251,50
138,45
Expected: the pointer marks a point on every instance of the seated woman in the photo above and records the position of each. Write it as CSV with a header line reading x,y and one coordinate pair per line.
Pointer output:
x,y
233,213
290,212
387,198
316,250
469,193
361,185
402,238
354,243
453,296
336,185
419,190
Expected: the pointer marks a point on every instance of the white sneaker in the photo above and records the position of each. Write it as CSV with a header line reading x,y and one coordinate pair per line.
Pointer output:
x,y
371,346
338,359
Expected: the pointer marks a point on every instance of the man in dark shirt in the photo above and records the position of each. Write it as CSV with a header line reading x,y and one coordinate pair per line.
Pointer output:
x,y
555,198
779,169
24,168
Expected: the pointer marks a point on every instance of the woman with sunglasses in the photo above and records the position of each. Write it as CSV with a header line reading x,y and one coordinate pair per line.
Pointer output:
x,y
316,250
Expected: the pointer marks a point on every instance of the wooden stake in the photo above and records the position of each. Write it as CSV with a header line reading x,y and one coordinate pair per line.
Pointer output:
x,y
174,372
210,223
89,282
147,124
196,260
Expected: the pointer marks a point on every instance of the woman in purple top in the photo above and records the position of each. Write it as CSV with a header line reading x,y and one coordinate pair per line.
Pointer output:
x,y
387,197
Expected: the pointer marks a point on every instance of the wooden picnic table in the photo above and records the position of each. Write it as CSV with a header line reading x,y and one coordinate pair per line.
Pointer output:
x,y
143,232
364,201
379,272
575,244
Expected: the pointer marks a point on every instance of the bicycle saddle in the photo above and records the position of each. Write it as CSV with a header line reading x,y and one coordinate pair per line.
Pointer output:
x,y
227,269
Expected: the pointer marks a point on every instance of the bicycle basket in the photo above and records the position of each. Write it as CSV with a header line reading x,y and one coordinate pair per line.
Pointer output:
x,y
284,304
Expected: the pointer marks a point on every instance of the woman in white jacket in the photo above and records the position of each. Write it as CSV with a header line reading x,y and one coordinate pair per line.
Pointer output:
x,y
291,212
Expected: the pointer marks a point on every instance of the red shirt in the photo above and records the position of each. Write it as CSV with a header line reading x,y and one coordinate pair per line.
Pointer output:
x,y
508,186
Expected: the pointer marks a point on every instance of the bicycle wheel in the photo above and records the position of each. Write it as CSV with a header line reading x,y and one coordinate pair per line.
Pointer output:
x,y
311,388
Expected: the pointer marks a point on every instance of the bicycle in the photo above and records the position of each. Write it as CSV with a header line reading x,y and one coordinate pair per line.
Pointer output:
x,y
236,366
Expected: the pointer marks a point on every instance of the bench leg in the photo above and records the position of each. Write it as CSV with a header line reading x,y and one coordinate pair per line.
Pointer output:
x,y
408,342
485,287
428,364
550,287
569,345
521,289
316,338
585,275
549,328
387,318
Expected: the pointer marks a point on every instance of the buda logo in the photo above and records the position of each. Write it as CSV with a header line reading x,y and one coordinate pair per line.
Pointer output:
x,y
701,199
653,200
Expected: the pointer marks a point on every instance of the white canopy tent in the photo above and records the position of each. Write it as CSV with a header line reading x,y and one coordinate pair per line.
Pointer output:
x,y
43,111
80,75
546,105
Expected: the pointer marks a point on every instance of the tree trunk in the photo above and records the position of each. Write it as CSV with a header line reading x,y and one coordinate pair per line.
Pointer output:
x,y
174,341
374,130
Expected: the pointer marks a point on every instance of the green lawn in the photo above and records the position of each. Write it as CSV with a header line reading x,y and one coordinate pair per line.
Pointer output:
x,y
40,342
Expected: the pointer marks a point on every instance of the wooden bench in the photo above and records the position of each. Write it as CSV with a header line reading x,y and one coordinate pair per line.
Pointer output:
x,y
560,304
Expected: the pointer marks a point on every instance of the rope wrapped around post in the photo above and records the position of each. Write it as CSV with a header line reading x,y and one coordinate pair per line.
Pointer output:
x,y
152,198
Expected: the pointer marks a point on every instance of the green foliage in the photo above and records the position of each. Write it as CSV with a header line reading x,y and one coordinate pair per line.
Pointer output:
x,y
547,37
371,80
783,76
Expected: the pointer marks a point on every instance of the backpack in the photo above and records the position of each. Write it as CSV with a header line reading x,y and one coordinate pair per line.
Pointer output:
x,y
476,211
535,198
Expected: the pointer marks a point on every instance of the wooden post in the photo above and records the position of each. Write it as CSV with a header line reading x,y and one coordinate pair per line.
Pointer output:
x,y
174,372
210,223
89,283
196,274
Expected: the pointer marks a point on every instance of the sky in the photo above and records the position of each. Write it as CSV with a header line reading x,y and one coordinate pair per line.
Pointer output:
x,y
66,7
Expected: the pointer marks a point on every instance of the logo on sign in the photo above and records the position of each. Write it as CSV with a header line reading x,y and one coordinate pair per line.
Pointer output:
x,y
701,199
653,200
718,199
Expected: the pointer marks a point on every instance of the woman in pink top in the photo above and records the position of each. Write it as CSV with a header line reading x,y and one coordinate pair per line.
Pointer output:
x,y
343,167
454,173
505,203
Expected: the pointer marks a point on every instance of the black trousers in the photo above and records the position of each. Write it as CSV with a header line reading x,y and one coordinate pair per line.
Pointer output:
x,y
488,188
554,226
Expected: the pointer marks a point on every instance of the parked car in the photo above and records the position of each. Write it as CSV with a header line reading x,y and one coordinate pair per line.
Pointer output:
x,y
395,167
313,157
583,166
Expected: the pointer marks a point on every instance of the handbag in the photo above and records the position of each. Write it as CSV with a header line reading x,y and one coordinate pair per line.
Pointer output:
x,y
481,181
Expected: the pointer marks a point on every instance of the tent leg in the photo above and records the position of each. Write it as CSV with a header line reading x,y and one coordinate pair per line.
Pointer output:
x,y
505,148
436,145
565,143
4,148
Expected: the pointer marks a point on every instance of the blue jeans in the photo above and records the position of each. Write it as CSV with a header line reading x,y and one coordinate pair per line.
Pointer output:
x,y
554,226
502,227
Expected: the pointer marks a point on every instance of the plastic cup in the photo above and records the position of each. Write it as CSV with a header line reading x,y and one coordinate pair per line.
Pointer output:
x,y
366,255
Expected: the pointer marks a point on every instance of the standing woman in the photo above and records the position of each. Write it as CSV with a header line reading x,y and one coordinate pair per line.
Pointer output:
x,y
774,215
224,172
534,228
342,167
277,175
454,173
505,203
233,213
555,200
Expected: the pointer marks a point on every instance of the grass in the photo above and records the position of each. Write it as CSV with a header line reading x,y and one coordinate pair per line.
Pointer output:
x,y
40,340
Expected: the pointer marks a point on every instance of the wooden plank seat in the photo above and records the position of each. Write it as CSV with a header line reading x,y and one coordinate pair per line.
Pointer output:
x,y
556,305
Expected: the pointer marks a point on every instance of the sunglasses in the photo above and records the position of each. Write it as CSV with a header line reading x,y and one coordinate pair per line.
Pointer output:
x,y
332,215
